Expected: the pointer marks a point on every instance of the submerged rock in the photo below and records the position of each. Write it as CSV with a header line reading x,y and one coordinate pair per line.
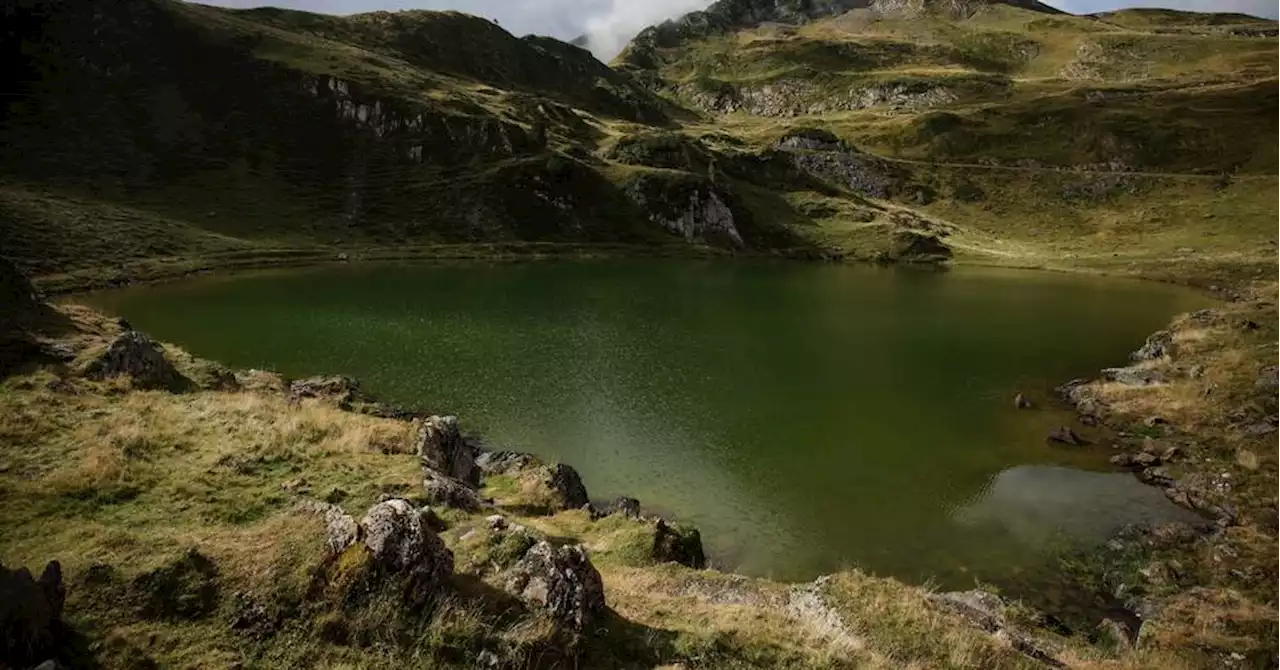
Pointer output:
x,y
30,613
135,355
678,544
561,582
441,447
1064,435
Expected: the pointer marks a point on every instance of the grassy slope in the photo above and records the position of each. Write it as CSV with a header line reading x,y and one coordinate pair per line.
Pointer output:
x,y
1025,171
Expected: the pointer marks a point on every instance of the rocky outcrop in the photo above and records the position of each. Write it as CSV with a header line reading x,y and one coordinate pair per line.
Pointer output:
x,y
628,507
338,388
30,614
560,582
566,483
542,487
858,172
446,491
915,247
1158,345
441,447
397,542
133,354
1132,376
694,210
678,544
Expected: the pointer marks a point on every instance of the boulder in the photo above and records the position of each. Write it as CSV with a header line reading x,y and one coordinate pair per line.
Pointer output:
x,y
400,543
560,582
341,531
449,492
338,388
628,507
1132,376
985,610
678,544
30,614
440,446
542,487
566,483
913,247
505,462
1158,346
1064,435
135,355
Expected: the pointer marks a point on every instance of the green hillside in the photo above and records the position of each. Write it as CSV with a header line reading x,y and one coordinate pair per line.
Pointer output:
x,y
152,136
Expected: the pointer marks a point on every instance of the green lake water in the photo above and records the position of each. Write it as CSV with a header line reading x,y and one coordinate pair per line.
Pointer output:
x,y
805,417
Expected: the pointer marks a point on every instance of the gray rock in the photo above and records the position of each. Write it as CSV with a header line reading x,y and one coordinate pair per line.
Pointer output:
x,y
449,492
338,388
440,446
504,462
400,543
628,507
135,355
983,609
341,530
1122,460
1132,376
1159,345
1145,460
560,582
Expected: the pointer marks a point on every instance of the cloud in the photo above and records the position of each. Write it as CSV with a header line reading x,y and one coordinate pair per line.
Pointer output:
x,y
610,31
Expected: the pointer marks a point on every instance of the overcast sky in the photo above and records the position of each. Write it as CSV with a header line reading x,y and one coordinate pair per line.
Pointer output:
x,y
611,23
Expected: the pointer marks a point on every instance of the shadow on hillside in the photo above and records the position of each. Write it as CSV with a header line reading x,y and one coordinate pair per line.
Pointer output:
x,y
611,641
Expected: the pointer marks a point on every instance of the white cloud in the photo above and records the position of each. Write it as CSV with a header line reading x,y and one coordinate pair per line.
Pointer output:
x,y
610,31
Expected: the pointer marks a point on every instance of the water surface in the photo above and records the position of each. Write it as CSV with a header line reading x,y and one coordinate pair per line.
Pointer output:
x,y
805,417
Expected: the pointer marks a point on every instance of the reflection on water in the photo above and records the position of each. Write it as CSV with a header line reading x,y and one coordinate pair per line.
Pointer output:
x,y
1039,504
806,417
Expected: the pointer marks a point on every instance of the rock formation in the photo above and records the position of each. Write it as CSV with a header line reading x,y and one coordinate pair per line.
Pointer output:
x,y
137,356
561,582
441,447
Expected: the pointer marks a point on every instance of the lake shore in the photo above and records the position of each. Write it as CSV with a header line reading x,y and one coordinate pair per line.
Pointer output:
x,y
1193,605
